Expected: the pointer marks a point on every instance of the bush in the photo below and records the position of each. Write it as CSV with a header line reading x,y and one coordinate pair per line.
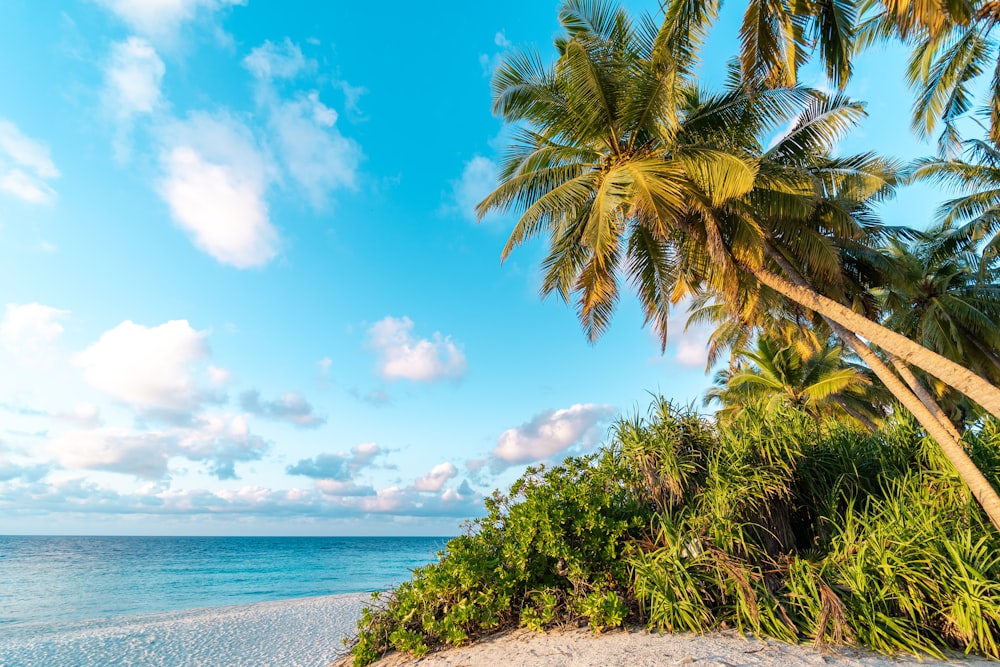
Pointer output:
x,y
776,524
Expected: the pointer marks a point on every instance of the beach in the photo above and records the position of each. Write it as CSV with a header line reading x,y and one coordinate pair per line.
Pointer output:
x,y
308,632
578,647
305,632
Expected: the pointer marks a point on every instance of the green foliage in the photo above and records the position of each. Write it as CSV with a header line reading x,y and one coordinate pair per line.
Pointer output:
x,y
552,550
773,523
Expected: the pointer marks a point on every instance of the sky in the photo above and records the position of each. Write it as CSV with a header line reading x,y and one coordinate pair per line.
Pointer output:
x,y
243,289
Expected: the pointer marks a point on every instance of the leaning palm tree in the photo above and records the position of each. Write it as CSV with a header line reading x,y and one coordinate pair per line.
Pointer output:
x,y
630,169
949,301
820,382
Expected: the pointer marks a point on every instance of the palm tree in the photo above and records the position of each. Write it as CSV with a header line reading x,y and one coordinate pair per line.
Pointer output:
x,y
973,217
951,44
629,168
820,382
940,298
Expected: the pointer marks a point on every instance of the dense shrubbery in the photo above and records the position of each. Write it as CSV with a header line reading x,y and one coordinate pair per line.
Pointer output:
x,y
777,524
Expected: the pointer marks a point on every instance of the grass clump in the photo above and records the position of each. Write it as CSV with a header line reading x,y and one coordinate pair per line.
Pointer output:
x,y
777,524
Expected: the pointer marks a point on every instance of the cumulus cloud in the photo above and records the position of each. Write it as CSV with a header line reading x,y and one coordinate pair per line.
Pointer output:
x,y
28,332
552,432
310,146
291,407
116,450
479,178
214,181
402,355
161,20
150,368
436,478
220,441
337,467
26,167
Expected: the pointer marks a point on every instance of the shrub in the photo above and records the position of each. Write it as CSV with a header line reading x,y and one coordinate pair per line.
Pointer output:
x,y
776,524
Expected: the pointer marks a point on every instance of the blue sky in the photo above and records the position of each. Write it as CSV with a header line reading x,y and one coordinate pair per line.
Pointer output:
x,y
243,288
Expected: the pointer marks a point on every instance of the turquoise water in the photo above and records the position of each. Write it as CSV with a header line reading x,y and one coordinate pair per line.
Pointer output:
x,y
50,580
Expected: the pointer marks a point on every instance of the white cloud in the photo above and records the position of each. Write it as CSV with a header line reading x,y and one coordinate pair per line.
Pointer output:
x,y
436,478
317,156
28,332
552,432
691,345
332,487
116,450
26,166
324,367
220,441
214,181
133,76
276,61
162,19
402,355
479,178
148,367
84,415
337,467
311,148
291,407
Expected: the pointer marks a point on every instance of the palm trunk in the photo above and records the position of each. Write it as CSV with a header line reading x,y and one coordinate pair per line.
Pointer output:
x,y
980,487
921,392
914,354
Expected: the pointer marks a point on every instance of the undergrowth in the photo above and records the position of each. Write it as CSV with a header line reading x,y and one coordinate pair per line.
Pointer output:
x,y
777,524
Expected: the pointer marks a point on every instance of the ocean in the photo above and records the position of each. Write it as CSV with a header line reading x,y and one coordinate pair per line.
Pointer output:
x,y
48,581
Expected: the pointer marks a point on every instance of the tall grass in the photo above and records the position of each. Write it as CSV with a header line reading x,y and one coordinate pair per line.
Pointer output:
x,y
778,525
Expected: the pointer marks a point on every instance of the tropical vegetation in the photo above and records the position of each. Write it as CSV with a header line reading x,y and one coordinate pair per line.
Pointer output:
x,y
777,524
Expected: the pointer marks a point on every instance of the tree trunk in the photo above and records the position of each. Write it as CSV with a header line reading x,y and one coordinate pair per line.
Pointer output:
x,y
981,488
914,354
921,392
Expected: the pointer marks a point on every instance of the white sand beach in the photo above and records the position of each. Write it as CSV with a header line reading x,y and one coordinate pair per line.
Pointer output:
x,y
580,648
307,632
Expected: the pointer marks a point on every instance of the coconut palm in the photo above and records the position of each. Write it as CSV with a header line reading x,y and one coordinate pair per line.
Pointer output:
x,y
820,382
940,298
951,43
973,217
629,168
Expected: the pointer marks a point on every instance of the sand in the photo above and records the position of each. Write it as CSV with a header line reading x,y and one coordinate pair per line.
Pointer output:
x,y
580,648
291,633
308,633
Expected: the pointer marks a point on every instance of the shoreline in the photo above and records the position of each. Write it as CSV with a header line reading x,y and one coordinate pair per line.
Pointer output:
x,y
308,632
299,632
